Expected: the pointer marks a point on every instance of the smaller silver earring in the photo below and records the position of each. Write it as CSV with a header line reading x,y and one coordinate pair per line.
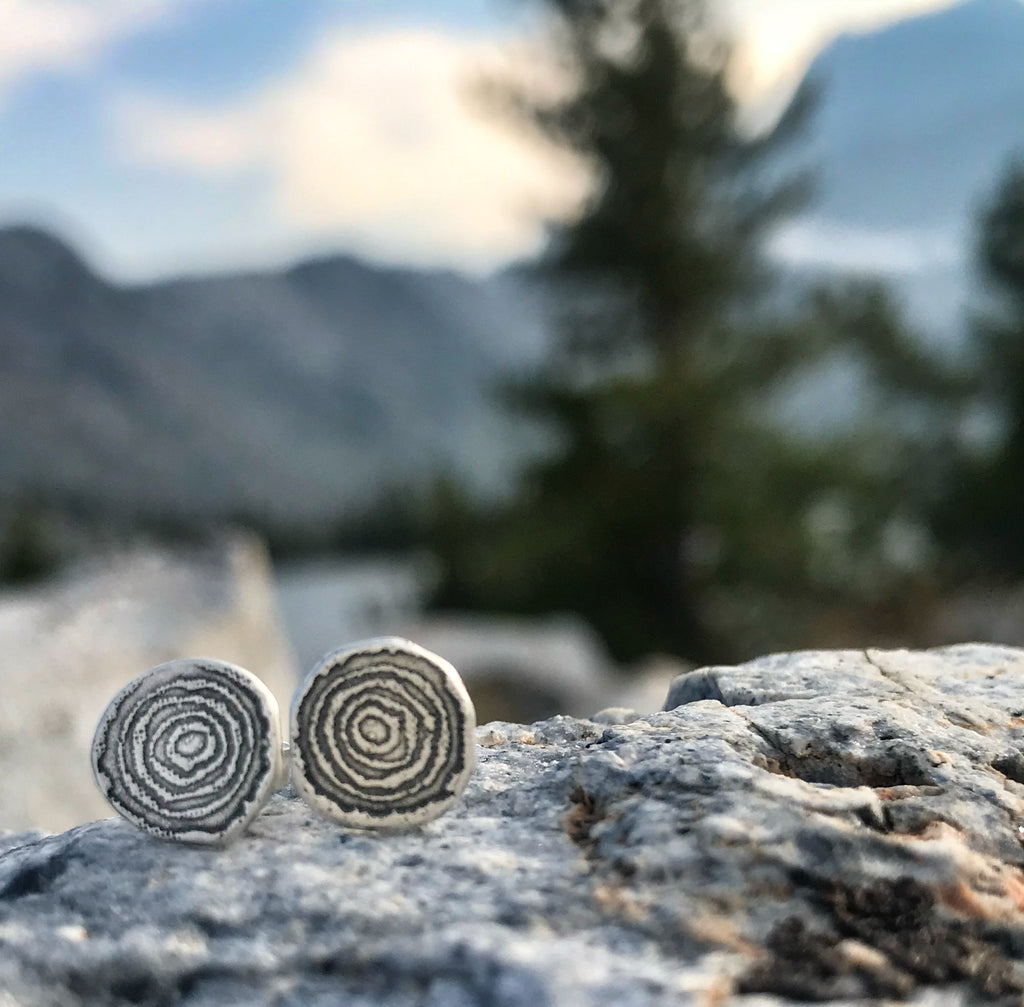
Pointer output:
x,y
190,751
382,735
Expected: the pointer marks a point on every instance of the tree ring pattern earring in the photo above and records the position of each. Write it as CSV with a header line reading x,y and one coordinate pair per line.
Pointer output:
x,y
190,751
383,735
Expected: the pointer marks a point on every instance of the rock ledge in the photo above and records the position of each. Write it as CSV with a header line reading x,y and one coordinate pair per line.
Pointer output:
x,y
841,826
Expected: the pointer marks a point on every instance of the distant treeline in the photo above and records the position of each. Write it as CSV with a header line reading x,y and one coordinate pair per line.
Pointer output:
x,y
38,534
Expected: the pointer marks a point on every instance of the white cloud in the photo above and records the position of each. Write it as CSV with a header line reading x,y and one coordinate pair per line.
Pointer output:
x,y
827,245
373,139
64,35
778,39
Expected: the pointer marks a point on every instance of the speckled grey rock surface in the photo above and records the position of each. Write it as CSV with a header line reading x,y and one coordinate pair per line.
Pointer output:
x,y
841,827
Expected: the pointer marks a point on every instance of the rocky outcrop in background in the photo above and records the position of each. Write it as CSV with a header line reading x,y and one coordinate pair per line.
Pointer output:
x,y
843,827
67,647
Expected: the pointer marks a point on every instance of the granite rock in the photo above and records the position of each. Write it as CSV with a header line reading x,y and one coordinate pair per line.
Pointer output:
x,y
841,827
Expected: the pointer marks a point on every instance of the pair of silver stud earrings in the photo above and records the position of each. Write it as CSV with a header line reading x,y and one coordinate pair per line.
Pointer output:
x,y
382,735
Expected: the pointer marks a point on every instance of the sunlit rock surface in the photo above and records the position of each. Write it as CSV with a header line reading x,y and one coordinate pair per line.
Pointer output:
x,y
831,827
68,647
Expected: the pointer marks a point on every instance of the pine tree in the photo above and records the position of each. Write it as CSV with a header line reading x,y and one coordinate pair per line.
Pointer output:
x,y
644,387
669,495
990,514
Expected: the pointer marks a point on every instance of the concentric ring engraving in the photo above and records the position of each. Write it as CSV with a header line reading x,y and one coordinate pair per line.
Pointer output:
x,y
382,735
190,750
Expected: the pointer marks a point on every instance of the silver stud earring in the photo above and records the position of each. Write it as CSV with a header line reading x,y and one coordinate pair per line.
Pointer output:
x,y
382,735
190,751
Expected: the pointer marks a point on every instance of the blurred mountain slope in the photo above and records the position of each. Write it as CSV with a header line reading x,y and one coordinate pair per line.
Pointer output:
x,y
914,123
288,395
916,119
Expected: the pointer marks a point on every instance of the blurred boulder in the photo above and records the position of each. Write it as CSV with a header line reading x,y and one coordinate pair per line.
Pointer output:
x,y
995,613
326,602
644,685
68,646
522,669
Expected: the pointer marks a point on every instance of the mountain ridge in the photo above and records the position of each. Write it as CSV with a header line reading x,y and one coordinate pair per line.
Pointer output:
x,y
914,125
292,394
914,91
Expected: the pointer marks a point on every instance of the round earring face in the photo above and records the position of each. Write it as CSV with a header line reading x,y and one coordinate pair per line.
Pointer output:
x,y
190,750
383,735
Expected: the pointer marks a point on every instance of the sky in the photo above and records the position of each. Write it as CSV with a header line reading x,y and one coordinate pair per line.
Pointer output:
x,y
183,136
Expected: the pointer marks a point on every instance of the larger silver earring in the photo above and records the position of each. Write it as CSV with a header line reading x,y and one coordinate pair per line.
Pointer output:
x,y
382,735
190,751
